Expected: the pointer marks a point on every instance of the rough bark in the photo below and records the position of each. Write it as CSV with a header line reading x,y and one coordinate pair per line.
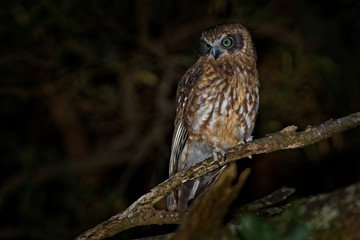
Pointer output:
x,y
334,215
142,211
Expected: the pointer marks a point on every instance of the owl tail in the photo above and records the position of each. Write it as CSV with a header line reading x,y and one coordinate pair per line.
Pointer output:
x,y
181,199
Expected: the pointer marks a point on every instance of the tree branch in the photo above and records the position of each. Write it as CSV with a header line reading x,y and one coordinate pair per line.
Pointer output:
x,y
334,215
142,211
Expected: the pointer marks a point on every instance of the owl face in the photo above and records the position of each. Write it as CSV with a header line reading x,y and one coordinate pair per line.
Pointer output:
x,y
225,39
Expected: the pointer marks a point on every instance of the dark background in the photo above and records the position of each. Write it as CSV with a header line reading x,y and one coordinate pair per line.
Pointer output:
x,y
88,101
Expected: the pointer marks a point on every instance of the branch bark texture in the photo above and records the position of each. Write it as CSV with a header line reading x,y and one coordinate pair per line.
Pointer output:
x,y
142,211
334,215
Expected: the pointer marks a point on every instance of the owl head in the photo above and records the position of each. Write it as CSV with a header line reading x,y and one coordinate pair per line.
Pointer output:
x,y
228,39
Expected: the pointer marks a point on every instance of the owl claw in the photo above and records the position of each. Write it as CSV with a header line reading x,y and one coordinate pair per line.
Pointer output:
x,y
249,139
215,152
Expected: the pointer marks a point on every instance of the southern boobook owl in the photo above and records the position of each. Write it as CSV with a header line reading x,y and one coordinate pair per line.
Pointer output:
x,y
217,102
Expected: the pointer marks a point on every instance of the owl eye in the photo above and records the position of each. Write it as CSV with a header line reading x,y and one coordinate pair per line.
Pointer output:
x,y
227,42
207,46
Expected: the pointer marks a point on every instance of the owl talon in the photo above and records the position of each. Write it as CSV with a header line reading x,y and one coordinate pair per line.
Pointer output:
x,y
249,139
215,152
217,161
243,141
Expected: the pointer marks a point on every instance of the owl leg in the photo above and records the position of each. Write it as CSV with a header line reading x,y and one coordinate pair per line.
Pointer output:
x,y
215,152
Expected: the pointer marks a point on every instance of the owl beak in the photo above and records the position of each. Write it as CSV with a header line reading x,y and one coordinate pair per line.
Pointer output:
x,y
215,52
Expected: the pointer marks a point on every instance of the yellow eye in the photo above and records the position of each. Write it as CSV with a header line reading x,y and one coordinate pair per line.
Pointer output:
x,y
227,42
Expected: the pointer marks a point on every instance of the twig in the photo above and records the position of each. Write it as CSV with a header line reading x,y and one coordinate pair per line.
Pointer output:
x,y
287,138
277,196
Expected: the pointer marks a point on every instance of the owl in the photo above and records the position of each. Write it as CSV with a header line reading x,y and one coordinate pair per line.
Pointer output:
x,y
217,103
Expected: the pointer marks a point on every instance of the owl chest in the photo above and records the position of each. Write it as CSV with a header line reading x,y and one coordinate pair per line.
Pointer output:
x,y
219,113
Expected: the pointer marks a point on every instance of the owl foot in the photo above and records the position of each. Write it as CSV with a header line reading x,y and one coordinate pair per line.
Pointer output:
x,y
249,139
216,151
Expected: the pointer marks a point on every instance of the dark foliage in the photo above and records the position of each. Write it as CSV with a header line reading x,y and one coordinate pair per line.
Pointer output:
x,y
88,101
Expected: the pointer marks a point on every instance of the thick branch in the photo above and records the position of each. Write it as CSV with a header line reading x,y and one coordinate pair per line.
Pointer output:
x,y
334,215
285,139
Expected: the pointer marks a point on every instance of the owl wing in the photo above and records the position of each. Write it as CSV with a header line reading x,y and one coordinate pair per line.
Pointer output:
x,y
180,135
179,139
181,132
